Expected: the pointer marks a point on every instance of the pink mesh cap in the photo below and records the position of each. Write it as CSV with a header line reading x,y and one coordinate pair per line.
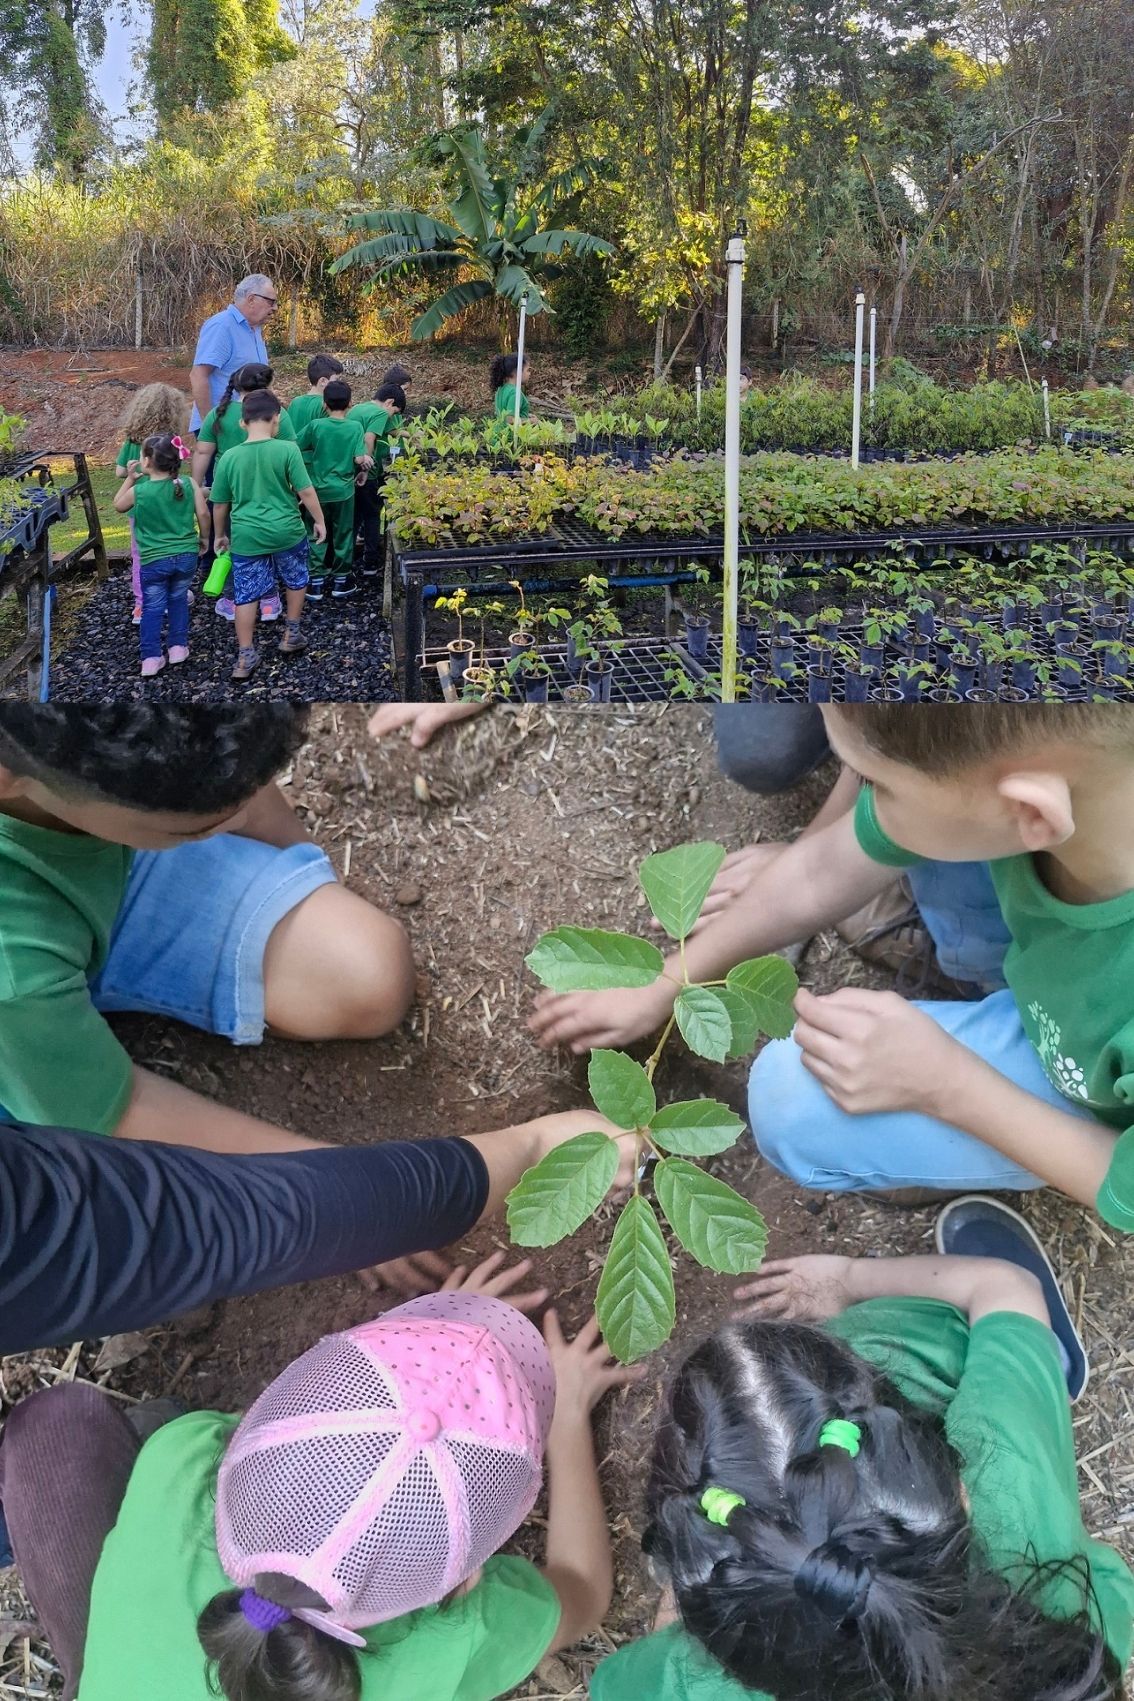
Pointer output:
x,y
389,1462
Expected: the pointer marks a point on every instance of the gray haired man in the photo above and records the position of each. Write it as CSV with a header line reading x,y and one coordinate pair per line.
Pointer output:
x,y
229,339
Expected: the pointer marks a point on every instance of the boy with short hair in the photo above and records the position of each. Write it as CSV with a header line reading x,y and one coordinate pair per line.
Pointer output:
x,y
378,420
1032,1084
334,449
259,482
149,862
320,370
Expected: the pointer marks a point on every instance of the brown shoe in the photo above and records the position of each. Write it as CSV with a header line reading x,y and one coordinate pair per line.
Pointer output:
x,y
889,931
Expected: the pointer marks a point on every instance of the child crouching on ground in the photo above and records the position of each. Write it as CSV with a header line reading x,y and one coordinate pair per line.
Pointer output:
x,y
334,450
157,410
883,1506
259,483
171,530
301,410
341,1541
1033,1084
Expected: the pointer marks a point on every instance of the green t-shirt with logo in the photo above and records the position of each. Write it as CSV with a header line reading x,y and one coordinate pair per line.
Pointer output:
x,y
130,451
262,480
60,893
159,1568
506,402
372,416
164,523
1070,968
228,431
329,447
1001,1391
303,409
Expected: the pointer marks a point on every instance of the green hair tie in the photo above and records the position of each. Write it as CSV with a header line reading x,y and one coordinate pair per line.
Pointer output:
x,y
840,1432
719,1504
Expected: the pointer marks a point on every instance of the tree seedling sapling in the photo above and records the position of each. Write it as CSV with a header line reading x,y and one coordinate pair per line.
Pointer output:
x,y
718,1020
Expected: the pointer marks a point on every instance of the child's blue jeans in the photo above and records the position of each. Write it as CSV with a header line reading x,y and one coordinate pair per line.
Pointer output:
x,y
165,590
802,1132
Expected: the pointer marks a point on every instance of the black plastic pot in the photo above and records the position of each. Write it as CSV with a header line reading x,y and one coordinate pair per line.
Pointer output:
x,y
1116,664
977,695
572,659
944,694
1015,694
747,636
1024,677
518,642
697,635
926,622
534,687
856,686
963,672
460,655
871,657
818,686
599,676
783,658
885,694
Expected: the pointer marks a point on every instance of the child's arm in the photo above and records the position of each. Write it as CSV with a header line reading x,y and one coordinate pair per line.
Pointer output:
x,y
815,1287
204,518
579,1565
124,496
315,508
221,511
202,459
813,884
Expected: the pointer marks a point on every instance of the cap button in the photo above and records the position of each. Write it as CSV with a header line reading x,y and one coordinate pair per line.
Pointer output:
x,y
424,1425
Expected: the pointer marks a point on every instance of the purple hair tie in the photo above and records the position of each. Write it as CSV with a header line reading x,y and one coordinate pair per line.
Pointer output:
x,y
262,1615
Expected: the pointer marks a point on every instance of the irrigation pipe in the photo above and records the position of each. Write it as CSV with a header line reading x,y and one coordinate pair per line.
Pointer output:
x,y
873,347
735,259
1046,408
697,374
45,668
856,423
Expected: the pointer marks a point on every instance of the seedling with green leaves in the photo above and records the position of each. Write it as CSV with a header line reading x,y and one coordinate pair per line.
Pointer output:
x,y
718,1020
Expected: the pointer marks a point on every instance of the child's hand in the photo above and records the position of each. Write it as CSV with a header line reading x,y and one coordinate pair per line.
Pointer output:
x,y
584,1370
583,1020
488,1278
319,531
419,1272
364,461
423,719
360,479
874,1051
220,545
735,875
803,1290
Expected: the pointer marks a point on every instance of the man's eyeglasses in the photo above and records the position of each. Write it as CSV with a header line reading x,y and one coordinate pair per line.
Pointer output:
x,y
272,300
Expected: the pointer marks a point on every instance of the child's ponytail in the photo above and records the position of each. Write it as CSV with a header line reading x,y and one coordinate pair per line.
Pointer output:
x,y
502,371
166,453
252,376
812,1524
258,1650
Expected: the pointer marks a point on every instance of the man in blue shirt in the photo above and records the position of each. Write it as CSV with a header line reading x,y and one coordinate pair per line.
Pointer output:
x,y
229,339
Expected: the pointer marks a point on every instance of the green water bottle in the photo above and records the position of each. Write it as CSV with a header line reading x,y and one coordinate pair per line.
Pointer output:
x,y
218,577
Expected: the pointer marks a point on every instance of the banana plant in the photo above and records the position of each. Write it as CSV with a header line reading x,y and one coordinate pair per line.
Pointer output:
x,y
718,1228
503,229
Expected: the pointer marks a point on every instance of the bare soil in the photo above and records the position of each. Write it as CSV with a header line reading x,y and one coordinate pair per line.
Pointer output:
x,y
514,824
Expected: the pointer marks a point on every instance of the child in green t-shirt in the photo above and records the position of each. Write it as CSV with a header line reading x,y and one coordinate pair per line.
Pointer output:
x,y
341,1540
321,368
334,449
502,381
156,410
171,529
262,483
378,419
1029,1085
885,1505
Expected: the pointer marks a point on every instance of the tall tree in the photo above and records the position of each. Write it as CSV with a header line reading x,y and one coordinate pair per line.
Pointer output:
x,y
203,54
47,51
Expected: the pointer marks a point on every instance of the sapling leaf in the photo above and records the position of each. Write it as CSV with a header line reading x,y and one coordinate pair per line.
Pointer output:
x,y
704,1022
635,1303
621,1089
557,1195
676,883
712,1222
746,1028
696,1128
769,984
587,959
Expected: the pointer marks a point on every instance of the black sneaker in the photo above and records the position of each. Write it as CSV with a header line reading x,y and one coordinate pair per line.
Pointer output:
x,y
315,590
979,1227
342,585
370,570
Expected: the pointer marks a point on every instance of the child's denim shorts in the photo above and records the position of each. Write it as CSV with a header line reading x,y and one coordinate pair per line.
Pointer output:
x,y
256,576
190,937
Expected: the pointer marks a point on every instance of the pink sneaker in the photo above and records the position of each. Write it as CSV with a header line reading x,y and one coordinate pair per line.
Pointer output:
x,y
226,608
178,653
270,608
137,614
152,665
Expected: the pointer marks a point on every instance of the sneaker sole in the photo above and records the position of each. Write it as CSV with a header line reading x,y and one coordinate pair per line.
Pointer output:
x,y
989,1220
